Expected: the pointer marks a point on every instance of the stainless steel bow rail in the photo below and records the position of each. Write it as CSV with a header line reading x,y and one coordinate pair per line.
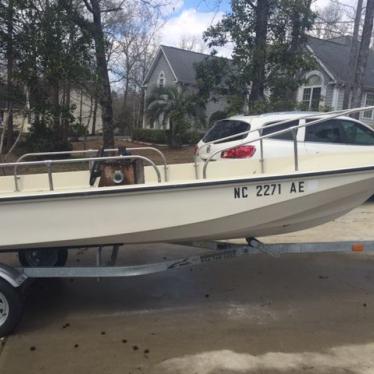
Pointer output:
x,y
93,152
50,163
326,116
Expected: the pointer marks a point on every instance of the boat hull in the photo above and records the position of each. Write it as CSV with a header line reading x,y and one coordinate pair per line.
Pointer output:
x,y
257,206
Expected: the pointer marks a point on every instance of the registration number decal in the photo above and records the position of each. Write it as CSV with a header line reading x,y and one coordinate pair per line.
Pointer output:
x,y
271,189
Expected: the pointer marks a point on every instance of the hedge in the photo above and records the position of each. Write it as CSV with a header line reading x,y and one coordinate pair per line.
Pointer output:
x,y
162,136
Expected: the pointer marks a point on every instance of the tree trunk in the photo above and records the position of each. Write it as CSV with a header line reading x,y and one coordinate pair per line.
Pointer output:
x,y
65,120
93,130
81,107
105,95
363,56
125,100
10,65
352,56
298,39
172,135
54,101
259,54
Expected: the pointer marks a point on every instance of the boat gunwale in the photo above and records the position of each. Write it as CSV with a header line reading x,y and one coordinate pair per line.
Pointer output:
x,y
143,188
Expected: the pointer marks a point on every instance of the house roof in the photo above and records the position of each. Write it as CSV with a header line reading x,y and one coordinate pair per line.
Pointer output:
x,y
181,62
334,55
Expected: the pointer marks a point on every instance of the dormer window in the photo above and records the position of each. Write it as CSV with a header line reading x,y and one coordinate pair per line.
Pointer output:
x,y
161,79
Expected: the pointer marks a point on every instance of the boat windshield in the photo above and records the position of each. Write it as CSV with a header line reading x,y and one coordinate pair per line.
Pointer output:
x,y
224,128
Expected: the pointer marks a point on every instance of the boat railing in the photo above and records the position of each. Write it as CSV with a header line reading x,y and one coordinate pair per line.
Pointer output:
x,y
326,116
49,164
278,123
88,152
298,118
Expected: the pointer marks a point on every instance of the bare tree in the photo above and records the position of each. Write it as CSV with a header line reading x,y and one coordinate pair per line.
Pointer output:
x,y
332,21
94,25
363,55
134,35
192,43
353,55
10,67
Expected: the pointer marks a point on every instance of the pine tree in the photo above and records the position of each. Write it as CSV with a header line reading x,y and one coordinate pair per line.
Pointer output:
x,y
269,52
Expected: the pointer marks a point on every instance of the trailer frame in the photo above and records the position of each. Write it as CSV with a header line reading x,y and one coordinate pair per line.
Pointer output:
x,y
13,278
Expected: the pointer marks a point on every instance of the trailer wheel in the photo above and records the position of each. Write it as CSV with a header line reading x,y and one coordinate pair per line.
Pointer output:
x,y
51,257
11,307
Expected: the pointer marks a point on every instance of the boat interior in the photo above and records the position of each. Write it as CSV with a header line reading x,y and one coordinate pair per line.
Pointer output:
x,y
121,168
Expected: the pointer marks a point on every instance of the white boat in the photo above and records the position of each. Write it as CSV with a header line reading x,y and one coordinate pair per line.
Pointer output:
x,y
217,200
51,212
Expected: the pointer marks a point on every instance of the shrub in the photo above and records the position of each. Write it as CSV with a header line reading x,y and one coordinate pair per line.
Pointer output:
x,y
77,130
43,138
192,137
162,136
150,135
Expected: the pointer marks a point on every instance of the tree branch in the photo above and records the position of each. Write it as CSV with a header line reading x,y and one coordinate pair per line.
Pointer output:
x,y
117,9
249,2
88,6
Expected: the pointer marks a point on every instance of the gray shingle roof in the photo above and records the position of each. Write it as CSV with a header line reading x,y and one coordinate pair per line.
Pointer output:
x,y
182,62
334,54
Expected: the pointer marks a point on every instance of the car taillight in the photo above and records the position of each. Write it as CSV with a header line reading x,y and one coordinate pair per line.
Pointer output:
x,y
243,151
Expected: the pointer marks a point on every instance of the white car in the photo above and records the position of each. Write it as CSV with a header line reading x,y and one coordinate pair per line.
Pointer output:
x,y
341,134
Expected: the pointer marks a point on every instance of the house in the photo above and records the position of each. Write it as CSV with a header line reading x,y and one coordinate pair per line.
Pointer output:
x,y
86,110
18,106
175,67
323,87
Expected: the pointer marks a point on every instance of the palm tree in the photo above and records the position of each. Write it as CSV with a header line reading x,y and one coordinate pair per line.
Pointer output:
x,y
176,106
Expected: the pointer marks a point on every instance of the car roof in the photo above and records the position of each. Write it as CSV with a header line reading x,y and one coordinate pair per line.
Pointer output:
x,y
257,121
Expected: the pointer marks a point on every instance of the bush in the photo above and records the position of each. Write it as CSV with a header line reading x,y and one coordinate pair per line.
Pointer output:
x,y
162,136
77,130
150,135
192,137
43,138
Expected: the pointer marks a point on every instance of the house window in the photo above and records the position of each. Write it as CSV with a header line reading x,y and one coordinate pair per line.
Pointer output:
x,y
369,101
161,79
312,92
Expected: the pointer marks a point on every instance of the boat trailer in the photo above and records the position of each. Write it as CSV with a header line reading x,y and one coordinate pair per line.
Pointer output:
x,y
13,278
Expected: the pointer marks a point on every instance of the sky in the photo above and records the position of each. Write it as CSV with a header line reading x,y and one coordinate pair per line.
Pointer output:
x,y
190,18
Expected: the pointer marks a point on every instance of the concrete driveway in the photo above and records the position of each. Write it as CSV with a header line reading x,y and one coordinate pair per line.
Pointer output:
x,y
257,314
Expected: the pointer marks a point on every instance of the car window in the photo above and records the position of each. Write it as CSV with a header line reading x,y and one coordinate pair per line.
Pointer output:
x,y
354,133
224,128
324,132
339,131
284,136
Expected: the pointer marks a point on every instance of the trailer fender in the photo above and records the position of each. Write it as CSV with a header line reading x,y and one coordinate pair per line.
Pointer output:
x,y
12,275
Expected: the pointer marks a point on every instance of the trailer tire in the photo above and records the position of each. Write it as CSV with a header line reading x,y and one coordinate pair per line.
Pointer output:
x,y
51,257
11,307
